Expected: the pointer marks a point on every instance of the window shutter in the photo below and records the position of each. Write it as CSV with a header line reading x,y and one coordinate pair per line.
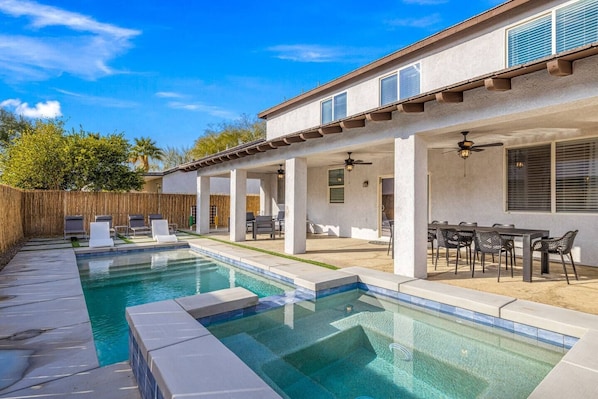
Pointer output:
x,y
577,176
530,41
326,111
576,25
388,90
409,82
340,106
528,173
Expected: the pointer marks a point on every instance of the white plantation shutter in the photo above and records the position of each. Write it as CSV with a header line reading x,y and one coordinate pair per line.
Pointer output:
x,y
530,41
577,176
528,174
388,90
409,84
576,25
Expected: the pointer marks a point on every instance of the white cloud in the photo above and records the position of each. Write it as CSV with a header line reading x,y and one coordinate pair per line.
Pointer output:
x,y
48,109
423,22
208,109
85,50
168,94
307,52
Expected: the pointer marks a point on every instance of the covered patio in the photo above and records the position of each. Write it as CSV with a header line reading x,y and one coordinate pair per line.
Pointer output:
x,y
550,289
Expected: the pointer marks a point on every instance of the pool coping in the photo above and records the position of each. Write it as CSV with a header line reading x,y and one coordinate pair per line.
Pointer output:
x,y
153,353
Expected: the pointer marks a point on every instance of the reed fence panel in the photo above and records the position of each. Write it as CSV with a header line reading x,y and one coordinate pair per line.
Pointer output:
x,y
11,217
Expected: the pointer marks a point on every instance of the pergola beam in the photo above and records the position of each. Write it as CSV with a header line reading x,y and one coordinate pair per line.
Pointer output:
x,y
311,135
330,129
350,124
379,116
559,67
497,84
409,108
449,97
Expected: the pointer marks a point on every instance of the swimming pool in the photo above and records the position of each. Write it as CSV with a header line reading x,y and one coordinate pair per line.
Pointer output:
x,y
113,282
358,345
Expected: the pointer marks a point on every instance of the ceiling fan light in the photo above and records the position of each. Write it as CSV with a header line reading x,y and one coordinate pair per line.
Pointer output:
x,y
464,153
349,167
280,172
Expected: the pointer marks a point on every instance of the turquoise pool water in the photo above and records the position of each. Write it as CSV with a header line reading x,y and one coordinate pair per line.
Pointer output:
x,y
356,345
113,282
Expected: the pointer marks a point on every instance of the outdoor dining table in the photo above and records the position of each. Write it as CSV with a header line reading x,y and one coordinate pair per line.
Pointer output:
x,y
528,235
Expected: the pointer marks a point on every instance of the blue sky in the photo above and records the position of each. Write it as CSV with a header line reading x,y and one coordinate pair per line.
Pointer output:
x,y
169,69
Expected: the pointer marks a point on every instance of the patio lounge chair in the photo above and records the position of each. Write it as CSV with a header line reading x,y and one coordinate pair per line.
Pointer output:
x,y
73,226
160,231
136,224
107,218
249,219
264,224
99,235
153,216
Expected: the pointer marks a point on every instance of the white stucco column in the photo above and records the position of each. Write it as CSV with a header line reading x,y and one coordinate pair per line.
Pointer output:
x,y
202,224
295,206
266,193
411,224
238,204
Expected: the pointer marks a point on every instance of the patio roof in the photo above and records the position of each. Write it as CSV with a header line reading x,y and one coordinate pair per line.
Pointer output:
x,y
556,65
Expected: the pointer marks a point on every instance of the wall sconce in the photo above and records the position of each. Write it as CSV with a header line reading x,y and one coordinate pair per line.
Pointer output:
x,y
464,153
365,183
280,172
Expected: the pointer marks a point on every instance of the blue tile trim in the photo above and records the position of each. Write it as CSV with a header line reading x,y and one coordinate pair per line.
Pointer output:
x,y
148,387
122,251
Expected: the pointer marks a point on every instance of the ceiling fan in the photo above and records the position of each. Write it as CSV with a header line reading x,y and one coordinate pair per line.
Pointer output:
x,y
350,162
466,147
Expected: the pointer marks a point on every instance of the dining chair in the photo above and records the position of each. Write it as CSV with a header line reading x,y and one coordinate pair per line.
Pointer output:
x,y
489,242
467,237
448,239
432,234
561,246
509,242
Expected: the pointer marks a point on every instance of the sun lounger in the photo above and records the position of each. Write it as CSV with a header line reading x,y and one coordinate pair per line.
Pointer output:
x,y
160,231
137,224
73,226
99,235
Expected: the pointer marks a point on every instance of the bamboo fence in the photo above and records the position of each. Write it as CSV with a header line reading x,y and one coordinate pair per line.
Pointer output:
x,y
40,213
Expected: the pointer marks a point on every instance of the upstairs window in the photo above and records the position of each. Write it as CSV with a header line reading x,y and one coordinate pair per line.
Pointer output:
x,y
334,108
409,81
562,29
530,41
388,89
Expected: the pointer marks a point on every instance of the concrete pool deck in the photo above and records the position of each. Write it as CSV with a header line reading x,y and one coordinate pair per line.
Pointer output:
x,y
43,315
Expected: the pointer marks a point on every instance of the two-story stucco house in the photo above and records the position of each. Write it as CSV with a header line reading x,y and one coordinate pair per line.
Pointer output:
x,y
522,76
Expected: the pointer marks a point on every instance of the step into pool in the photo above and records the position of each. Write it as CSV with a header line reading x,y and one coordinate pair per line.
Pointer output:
x,y
358,345
113,282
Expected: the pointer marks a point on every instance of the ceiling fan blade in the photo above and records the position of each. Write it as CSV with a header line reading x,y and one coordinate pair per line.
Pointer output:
x,y
489,145
476,149
362,163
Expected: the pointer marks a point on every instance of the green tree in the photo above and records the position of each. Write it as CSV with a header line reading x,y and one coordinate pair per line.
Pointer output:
x,y
99,163
175,156
143,150
11,127
228,135
35,160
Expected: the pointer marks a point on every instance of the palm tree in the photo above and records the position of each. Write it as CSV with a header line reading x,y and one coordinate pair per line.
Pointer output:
x,y
144,149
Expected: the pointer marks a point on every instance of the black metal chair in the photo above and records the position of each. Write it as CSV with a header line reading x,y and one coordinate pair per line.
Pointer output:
x,y
467,237
432,234
448,239
280,222
489,242
509,242
561,246
249,221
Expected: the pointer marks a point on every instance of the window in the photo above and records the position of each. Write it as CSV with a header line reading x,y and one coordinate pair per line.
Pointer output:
x,y
530,177
388,89
530,41
576,25
577,176
409,81
334,108
336,186
570,26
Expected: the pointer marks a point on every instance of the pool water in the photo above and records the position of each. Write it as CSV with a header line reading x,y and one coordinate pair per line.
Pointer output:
x,y
113,282
356,345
